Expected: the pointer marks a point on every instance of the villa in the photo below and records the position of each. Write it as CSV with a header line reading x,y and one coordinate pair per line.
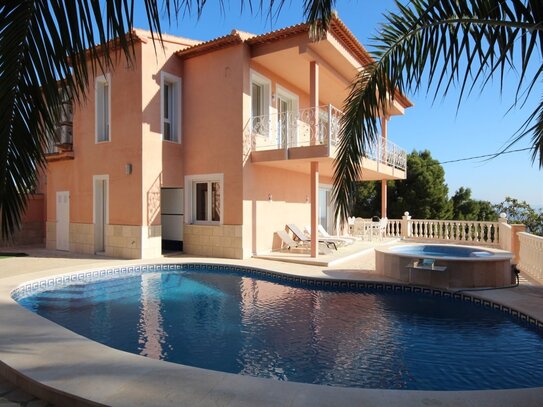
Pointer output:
x,y
208,147
212,148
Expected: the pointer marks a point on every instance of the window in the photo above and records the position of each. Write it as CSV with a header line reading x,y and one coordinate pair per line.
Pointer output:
x,y
170,107
260,103
103,98
206,198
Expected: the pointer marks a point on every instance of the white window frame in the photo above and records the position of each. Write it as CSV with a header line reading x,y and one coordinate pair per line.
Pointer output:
x,y
190,197
266,83
175,81
99,82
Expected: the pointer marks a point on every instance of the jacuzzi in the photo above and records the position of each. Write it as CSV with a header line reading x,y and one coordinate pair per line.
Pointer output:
x,y
448,266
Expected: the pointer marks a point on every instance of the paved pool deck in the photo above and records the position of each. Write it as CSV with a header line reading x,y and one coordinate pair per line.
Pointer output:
x,y
60,367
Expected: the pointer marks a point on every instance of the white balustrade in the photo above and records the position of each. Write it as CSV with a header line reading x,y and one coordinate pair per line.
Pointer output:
x,y
394,228
531,255
453,231
506,236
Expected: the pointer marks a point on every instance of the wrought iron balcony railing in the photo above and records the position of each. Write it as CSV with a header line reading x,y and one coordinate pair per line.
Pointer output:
x,y
313,127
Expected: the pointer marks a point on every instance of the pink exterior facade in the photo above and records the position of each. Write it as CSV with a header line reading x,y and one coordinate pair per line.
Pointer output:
x,y
220,186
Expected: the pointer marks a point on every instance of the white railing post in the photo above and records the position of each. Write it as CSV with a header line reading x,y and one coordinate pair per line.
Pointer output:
x,y
406,226
504,232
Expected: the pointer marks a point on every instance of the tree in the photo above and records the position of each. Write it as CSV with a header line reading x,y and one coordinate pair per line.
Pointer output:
x,y
423,193
520,212
449,42
466,208
367,201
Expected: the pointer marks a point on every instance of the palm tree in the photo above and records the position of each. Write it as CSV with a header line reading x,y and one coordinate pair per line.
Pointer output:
x,y
48,50
448,43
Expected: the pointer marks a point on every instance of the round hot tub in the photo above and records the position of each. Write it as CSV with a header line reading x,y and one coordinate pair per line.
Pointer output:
x,y
449,266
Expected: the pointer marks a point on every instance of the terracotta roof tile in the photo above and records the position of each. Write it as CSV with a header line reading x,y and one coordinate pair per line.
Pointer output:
x,y
212,45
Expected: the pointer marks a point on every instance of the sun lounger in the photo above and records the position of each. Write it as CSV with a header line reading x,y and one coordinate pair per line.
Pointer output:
x,y
290,242
299,235
296,244
322,231
339,240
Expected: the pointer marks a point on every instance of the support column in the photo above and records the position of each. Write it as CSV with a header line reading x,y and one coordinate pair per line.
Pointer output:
x,y
384,124
384,191
314,99
314,208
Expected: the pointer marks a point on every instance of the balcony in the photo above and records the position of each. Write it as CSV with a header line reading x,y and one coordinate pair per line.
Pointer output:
x,y
313,134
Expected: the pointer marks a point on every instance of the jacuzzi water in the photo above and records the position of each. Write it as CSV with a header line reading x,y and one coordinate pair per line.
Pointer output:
x,y
233,322
442,251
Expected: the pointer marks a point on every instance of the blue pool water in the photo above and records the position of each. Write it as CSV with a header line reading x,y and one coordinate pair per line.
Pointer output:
x,y
442,251
238,323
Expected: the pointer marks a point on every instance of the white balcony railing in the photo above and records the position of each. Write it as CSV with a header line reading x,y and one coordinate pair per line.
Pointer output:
x,y
310,127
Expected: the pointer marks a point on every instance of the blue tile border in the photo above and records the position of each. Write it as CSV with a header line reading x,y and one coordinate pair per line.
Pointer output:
x,y
55,282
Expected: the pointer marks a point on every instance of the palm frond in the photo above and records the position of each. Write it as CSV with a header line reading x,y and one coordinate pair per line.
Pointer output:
x,y
47,49
450,43
319,15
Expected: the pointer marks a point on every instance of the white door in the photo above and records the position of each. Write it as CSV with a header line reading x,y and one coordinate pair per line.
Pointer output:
x,y
100,213
63,220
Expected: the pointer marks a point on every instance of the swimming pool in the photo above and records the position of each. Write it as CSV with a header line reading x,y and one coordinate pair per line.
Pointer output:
x,y
446,265
235,322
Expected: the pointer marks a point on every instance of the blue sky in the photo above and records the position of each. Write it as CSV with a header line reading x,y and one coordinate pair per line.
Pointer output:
x,y
482,126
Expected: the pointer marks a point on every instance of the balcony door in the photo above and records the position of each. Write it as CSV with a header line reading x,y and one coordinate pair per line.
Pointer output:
x,y
287,118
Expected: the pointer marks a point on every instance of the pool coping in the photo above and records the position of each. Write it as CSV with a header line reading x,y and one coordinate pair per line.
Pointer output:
x,y
68,369
498,253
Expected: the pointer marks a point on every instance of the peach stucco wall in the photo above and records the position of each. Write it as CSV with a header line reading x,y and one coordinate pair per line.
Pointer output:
x,y
213,122
135,138
161,161
290,203
107,158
